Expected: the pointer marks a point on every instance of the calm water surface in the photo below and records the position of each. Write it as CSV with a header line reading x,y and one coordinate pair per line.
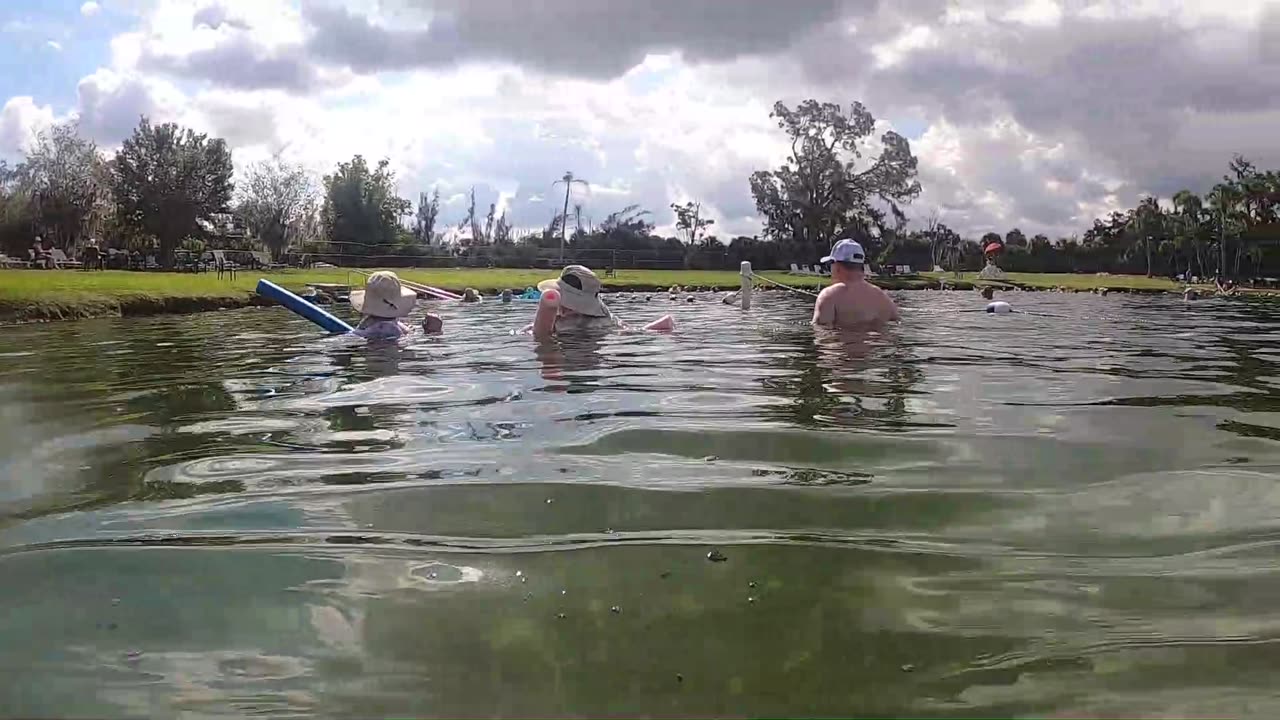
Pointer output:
x,y
226,515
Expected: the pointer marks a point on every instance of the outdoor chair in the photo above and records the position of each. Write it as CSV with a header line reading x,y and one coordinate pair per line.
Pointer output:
x,y
60,259
222,264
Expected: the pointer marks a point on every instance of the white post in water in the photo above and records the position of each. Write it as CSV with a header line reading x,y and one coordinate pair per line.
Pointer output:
x,y
745,288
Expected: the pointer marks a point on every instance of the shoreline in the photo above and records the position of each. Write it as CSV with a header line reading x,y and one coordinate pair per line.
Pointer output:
x,y
42,311
82,306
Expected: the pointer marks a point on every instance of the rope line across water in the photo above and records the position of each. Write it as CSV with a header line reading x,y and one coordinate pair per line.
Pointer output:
x,y
785,287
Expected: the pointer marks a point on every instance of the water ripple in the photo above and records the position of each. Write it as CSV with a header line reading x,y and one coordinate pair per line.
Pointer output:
x,y
968,514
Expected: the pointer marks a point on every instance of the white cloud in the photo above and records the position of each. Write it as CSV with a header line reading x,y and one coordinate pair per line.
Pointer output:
x,y
17,26
893,51
1038,13
20,121
90,8
1035,113
54,45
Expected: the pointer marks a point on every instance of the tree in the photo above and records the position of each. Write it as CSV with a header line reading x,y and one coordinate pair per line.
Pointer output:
x,y
823,191
502,230
690,223
568,181
1189,211
1015,238
1224,201
276,199
1148,224
471,223
424,222
17,218
67,182
306,232
166,179
361,209
944,246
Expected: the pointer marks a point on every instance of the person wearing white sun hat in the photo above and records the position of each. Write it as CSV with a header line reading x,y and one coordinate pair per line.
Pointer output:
x,y
573,301
850,301
382,302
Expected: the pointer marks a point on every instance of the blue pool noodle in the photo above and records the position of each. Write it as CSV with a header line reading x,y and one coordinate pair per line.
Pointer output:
x,y
268,289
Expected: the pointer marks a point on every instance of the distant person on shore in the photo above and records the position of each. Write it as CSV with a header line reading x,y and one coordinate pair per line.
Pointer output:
x,y
91,256
382,302
41,257
572,302
850,301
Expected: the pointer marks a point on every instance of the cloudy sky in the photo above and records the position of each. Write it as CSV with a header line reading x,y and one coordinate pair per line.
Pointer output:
x,y
1039,114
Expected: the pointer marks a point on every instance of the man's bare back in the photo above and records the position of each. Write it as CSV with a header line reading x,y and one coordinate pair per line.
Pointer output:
x,y
853,304
851,301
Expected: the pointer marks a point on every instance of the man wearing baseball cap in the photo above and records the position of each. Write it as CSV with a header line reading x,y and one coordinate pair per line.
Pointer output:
x,y
850,301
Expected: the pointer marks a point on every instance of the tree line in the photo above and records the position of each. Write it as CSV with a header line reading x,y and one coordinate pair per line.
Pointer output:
x,y
169,188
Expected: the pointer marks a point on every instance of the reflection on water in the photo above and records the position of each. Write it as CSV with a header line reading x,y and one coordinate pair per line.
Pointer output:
x,y
227,514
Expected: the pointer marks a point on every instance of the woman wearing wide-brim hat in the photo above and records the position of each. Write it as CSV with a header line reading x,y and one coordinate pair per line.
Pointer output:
x,y
382,302
573,301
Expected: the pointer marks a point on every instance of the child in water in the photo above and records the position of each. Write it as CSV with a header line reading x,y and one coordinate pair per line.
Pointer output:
x,y
382,303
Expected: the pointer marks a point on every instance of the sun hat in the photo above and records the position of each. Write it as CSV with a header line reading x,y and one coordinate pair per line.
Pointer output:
x,y
383,296
846,251
579,291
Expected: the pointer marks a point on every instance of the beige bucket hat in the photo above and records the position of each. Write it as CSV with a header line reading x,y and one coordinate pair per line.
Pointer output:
x,y
579,291
384,296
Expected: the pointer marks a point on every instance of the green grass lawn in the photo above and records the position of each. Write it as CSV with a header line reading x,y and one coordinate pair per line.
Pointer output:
x,y
1074,282
63,293
70,285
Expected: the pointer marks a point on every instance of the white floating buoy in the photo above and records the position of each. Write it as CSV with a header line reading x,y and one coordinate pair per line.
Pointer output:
x,y
999,307
744,288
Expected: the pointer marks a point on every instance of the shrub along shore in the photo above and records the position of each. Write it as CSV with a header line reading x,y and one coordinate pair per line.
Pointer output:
x,y
40,295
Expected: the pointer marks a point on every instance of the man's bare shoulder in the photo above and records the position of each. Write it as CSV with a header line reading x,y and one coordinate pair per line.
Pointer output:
x,y
832,289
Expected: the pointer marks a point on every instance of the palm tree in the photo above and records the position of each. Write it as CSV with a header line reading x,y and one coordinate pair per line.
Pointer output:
x,y
568,181
1190,212
1224,201
1147,219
